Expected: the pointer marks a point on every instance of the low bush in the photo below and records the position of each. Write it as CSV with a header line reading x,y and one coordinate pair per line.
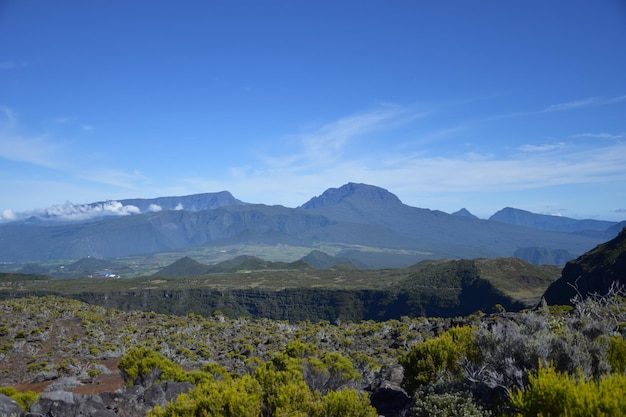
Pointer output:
x,y
617,354
438,359
272,391
142,366
550,393
24,399
240,397
429,403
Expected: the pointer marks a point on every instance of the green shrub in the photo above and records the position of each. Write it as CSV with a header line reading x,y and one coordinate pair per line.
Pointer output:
x,y
24,399
550,394
428,403
230,397
346,403
329,371
283,386
141,366
299,349
277,389
439,358
93,373
617,354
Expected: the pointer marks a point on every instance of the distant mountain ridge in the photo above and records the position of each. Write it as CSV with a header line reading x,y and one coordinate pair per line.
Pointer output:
x,y
547,222
354,217
194,202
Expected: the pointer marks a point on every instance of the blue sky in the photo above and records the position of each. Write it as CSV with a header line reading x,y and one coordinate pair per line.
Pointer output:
x,y
447,104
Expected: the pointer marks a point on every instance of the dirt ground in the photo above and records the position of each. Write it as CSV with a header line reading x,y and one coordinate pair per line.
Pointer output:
x,y
109,382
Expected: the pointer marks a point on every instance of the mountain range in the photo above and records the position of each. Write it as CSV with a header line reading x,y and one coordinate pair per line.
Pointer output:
x,y
365,223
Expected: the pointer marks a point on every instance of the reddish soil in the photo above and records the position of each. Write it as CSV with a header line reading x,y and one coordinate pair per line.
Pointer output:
x,y
102,383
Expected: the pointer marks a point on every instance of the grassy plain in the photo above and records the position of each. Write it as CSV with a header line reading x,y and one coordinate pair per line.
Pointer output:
x,y
143,265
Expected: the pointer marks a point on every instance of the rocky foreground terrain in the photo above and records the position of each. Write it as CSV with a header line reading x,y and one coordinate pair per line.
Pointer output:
x,y
67,353
63,357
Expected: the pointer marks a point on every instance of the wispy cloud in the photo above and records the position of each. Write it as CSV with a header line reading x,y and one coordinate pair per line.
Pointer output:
x,y
38,150
8,119
326,144
615,99
542,148
590,101
559,107
118,178
327,164
611,136
572,105
328,141
423,174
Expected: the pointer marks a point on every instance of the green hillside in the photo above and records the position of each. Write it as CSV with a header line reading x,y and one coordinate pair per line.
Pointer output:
x,y
250,286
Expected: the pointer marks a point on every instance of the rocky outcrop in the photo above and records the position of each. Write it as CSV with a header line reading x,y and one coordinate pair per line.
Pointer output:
x,y
129,402
386,392
9,407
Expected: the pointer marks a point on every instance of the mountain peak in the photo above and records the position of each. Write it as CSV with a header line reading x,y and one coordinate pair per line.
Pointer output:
x,y
464,213
351,190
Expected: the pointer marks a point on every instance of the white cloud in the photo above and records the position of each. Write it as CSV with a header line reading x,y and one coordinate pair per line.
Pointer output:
x,y
330,138
554,212
542,148
289,180
515,172
603,135
590,101
154,208
327,144
179,206
572,104
74,212
7,215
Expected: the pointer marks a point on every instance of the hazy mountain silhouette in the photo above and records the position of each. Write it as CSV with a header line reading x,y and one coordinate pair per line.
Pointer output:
x,y
194,202
184,267
547,222
354,215
464,213
322,260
